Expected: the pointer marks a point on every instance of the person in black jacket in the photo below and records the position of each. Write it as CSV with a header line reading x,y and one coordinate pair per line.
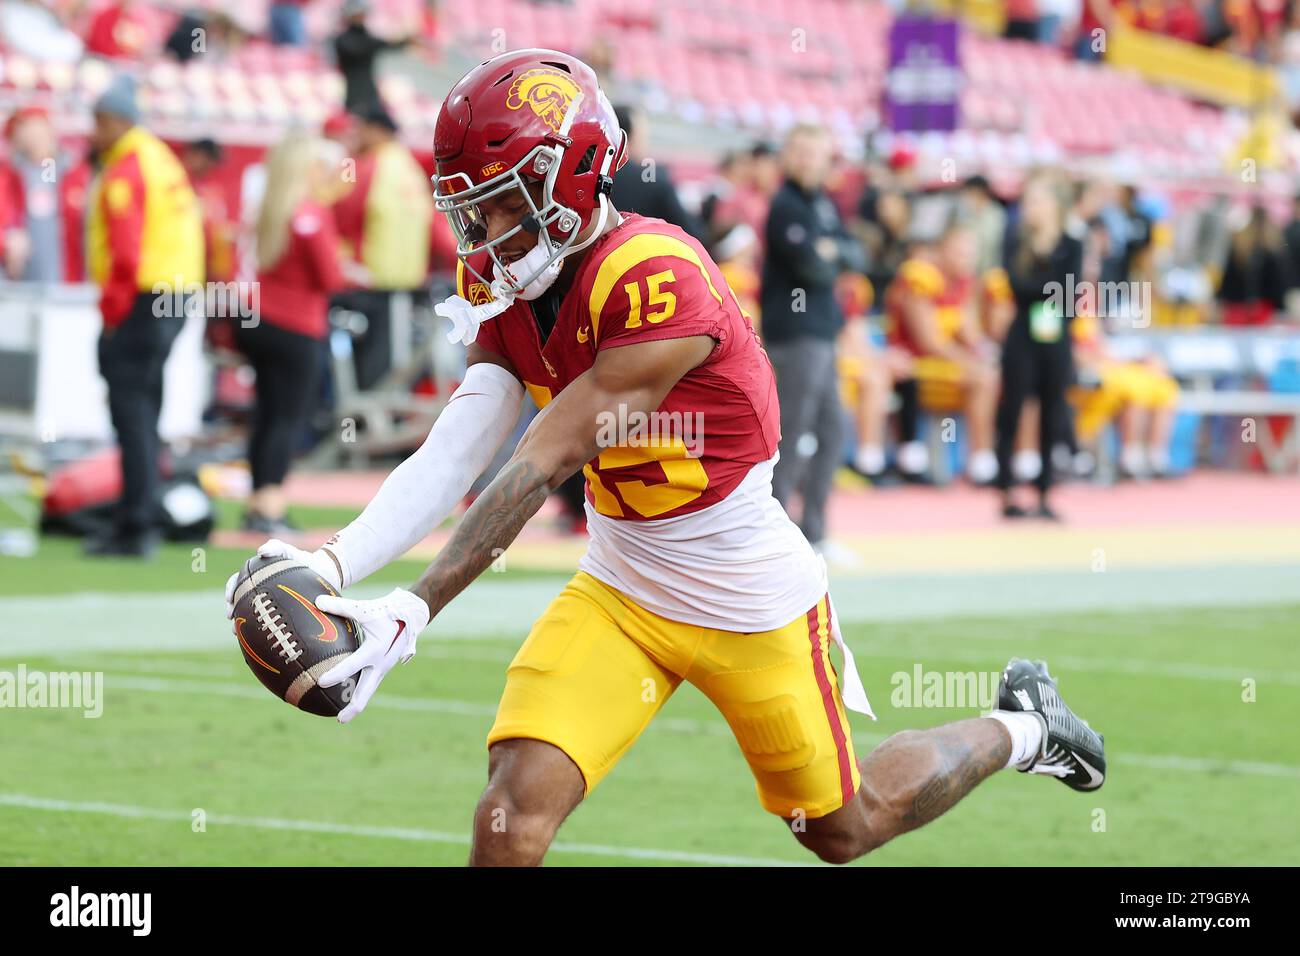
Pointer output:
x,y
807,247
355,52
1255,276
645,187
1042,263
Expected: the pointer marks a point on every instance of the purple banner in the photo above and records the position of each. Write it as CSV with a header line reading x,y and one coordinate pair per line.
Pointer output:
x,y
923,86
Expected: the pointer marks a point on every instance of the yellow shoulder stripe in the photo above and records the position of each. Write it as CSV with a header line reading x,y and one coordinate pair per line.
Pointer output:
x,y
633,251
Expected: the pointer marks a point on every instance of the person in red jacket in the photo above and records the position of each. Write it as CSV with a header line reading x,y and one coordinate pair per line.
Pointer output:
x,y
297,270
119,31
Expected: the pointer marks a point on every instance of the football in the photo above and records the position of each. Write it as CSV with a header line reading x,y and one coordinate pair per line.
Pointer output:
x,y
288,642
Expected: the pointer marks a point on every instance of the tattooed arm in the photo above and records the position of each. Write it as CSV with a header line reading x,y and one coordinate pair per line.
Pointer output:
x,y
624,380
561,439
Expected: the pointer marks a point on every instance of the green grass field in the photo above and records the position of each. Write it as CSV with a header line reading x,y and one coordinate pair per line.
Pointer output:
x,y
1197,775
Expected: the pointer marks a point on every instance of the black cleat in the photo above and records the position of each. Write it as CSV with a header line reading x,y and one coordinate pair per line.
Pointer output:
x,y
1072,751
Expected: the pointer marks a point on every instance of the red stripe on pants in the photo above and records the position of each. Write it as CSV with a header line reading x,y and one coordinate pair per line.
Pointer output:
x,y
828,702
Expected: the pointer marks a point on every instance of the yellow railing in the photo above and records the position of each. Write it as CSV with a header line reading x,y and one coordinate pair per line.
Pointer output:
x,y
1207,74
987,16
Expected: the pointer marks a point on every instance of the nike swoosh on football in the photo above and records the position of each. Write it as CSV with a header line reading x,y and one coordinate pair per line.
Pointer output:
x,y
328,632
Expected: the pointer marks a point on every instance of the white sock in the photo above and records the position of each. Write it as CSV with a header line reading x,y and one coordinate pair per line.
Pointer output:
x,y
870,459
913,457
982,466
1026,732
1158,459
1133,459
1026,464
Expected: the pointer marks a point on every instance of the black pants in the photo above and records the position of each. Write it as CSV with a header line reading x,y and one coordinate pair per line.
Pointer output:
x,y
288,368
909,409
131,359
1032,369
372,350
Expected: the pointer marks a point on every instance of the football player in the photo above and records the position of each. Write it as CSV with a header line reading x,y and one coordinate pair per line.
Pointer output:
x,y
693,572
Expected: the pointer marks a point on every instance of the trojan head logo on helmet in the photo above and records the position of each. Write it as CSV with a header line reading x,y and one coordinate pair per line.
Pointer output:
x,y
532,118
549,93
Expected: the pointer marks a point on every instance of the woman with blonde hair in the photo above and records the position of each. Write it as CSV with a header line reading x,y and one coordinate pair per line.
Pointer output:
x,y
1043,265
297,271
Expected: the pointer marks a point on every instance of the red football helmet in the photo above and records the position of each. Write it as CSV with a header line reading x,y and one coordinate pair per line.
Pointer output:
x,y
531,116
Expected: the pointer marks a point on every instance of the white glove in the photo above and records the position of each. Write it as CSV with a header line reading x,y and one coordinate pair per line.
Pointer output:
x,y
318,561
389,627
466,318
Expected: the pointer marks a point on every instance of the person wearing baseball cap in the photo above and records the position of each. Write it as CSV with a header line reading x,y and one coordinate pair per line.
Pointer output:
x,y
145,252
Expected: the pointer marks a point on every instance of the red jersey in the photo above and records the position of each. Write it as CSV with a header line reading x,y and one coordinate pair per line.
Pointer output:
x,y
294,293
645,281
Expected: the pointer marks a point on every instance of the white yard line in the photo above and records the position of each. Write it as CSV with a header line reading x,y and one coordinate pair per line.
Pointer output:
x,y
681,725
443,648
134,812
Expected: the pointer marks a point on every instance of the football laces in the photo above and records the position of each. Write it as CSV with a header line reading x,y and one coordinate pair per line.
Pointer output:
x,y
268,615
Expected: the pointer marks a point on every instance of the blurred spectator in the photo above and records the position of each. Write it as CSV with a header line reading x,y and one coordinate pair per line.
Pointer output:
x,y
1141,394
883,225
15,247
384,226
987,220
355,52
1254,276
33,158
1137,231
1291,241
74,196
933,305
741,192
31,29
867,375
644,186
187,38
1042,262
214,34
737,255
202,160
1052,14
288,26
765,170
720,192
806,249
118,31
1095,19
297,271
145,249
1022,20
